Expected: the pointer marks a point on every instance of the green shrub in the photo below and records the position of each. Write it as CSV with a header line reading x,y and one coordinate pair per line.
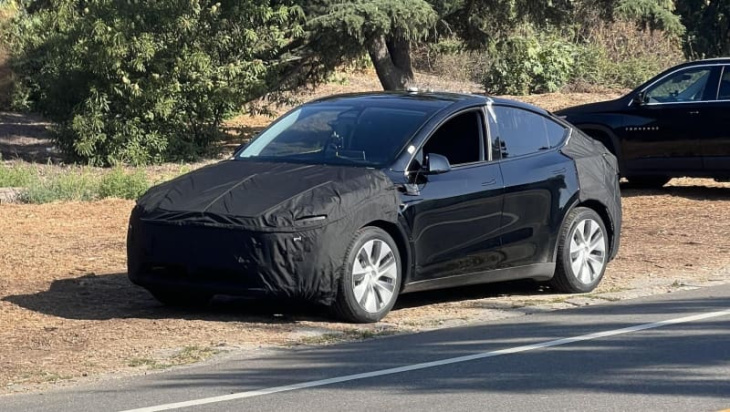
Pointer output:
x,y
620,54
612,55
77,184
530,63
122,185
144,81
17,175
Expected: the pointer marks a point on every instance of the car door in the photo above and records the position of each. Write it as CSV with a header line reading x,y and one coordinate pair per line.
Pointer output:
x,y
716,129
455,217
536,178
663,133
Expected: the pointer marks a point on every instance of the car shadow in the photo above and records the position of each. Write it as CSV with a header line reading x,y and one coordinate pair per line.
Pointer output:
x,y
694,192
113,296
464,293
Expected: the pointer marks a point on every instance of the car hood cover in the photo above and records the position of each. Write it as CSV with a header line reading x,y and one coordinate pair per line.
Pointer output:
x,y
266,196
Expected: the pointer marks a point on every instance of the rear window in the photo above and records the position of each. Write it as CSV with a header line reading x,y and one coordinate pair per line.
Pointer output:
x,y
519,132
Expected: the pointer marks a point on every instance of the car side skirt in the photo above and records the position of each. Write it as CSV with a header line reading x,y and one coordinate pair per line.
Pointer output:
x,y
537,271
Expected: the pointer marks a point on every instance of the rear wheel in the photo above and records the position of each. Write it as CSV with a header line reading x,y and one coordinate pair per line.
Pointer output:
x,y
179,298
648,182
371,280
582,252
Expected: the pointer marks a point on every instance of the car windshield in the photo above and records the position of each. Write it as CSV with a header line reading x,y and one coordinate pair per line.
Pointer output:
x,y
338,134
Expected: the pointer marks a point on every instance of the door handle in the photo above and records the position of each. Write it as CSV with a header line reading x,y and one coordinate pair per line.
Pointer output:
x,y
559,171
694,112
489,182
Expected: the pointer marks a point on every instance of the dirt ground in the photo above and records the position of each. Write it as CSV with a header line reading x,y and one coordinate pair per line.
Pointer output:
x,y
68,312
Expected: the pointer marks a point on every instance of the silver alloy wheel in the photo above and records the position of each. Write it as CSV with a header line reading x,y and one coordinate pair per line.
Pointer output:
x,y
587,251
374,275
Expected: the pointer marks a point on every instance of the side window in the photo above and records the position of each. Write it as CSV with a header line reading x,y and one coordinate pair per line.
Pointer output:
x,y
459,139
519,132
724,93
555,132
684,86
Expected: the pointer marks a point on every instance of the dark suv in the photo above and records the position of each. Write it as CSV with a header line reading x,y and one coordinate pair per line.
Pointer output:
x,y
676,124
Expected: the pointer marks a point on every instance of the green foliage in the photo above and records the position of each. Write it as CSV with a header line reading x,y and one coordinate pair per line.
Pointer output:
x,y
77,185
8,9
49,184
708,27
530,63
608,55
359,20
654,14
621,55
123,185
145,81
17,175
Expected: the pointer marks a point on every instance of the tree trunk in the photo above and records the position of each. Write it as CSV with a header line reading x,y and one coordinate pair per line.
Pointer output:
x,y
392,61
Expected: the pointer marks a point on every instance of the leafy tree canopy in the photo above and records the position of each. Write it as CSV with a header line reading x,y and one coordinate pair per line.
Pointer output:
x,y
146,80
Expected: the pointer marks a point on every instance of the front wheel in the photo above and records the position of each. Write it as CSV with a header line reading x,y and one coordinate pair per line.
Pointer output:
x,y
371,278
582,252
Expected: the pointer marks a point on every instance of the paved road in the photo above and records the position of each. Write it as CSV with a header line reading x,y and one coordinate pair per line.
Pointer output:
x,y
663,353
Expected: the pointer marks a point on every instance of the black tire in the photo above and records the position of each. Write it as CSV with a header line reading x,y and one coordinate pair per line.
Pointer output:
x,y
181,298
346,306
566,280
648,182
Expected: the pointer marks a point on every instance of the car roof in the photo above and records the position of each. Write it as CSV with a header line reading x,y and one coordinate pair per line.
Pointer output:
x,y
712,60
423,99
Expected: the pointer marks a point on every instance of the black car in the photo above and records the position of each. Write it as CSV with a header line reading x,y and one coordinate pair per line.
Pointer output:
x,y
351,200
676,124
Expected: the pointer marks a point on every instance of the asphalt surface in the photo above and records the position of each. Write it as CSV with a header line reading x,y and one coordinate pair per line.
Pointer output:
x,y
669,352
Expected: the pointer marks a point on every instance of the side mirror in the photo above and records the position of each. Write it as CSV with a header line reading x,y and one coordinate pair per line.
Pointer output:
x,y
436,164
639,98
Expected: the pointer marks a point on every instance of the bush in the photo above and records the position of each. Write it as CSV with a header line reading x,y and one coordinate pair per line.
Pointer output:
x,y
8,9
619,54
17,175
451,59
50,184
76,185
608,55
529,63
144,81
123,185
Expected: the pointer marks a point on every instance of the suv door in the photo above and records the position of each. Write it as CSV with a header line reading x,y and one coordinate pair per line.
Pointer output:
x,y
716,129
662,134
538,179
455,217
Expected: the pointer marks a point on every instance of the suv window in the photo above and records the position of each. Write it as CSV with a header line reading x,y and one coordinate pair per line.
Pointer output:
x,y
519,132
724,92
459,139
684,86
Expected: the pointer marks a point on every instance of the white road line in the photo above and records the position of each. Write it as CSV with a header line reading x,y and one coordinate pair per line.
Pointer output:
x,y
427,365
